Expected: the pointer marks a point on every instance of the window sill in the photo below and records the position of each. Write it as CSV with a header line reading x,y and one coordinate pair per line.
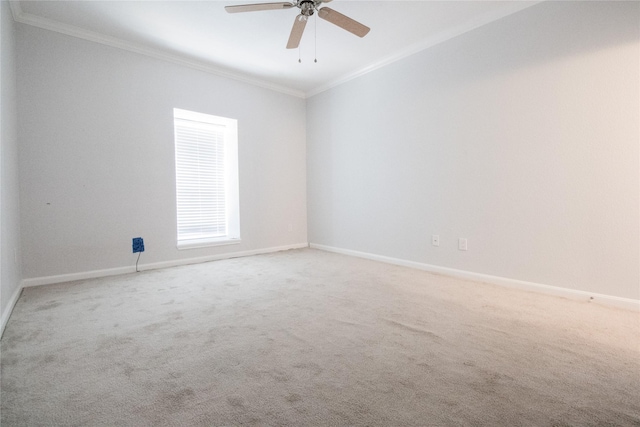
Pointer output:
x,y
206,243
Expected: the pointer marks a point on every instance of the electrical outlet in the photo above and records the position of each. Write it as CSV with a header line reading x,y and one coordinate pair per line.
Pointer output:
x,y
435,240
138,244
462,244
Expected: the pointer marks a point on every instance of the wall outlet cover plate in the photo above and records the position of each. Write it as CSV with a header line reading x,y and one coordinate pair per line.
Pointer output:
x,y
462,244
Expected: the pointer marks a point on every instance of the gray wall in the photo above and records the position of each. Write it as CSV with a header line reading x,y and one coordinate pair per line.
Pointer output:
x,y
97,155
521,136
10,268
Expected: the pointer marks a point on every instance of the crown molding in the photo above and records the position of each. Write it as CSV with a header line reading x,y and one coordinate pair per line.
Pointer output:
x,y
37,21
48,24
511,8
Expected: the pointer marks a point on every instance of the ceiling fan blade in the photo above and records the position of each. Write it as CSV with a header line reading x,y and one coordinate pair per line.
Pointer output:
x,y
343,21
296,31
259,6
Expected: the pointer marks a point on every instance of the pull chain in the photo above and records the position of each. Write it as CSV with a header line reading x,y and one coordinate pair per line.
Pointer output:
x,y
315,38
299,59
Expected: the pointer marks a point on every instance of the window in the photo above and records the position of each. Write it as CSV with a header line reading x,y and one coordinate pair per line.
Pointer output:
x,y
206,179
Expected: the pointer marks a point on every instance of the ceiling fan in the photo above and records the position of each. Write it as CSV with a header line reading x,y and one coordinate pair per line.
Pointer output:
x,y
307,8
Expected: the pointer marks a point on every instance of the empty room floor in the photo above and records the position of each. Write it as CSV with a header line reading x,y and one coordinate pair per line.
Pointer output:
x,y
305,338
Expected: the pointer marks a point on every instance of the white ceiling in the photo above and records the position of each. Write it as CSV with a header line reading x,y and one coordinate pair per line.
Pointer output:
x,y
251,46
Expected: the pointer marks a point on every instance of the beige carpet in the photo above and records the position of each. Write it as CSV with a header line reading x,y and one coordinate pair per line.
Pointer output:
x,y
309,338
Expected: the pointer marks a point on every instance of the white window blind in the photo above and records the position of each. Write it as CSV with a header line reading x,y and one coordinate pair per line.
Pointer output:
x,y
204,178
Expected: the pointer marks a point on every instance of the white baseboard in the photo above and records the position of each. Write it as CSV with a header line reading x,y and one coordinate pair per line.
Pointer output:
x,y
71,277
609,300
9,309
62,278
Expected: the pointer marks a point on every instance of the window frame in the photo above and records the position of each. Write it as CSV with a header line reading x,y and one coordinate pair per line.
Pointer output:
x,y
231,190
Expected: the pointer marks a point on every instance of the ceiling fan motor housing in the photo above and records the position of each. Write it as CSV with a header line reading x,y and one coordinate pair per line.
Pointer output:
x,y
307,7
